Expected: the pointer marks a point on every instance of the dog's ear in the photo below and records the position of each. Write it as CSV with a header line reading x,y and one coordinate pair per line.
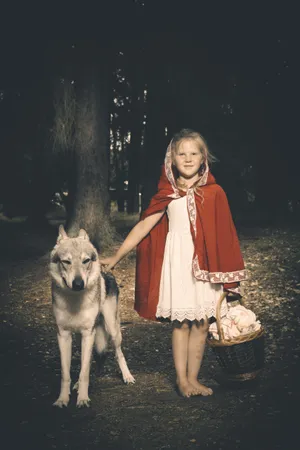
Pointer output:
x,y
83,234
61,234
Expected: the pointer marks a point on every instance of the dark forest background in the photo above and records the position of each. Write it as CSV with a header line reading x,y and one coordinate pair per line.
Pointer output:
x,y
89,99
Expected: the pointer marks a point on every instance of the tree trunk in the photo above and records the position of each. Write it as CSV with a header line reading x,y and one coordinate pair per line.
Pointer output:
x,y
155,141
120,178
90,208
134,152
133,176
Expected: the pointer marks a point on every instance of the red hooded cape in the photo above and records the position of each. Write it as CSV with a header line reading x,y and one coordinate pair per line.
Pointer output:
x,y
217,256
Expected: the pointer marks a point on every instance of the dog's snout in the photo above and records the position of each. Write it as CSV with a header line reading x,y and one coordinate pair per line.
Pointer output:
x,y
78,284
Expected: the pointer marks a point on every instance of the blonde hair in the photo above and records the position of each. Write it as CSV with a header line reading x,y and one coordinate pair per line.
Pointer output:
x,y
188,134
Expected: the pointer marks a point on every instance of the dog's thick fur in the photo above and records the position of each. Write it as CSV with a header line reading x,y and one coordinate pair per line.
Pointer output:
x,y
85,300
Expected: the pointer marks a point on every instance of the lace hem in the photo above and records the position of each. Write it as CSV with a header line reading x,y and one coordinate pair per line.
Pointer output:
x,y
190,314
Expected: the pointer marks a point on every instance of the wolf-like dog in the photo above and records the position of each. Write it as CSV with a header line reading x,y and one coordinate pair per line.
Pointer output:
x,y
85,300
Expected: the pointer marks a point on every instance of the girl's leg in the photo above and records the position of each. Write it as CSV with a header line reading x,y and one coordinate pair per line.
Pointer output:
x,y
196,348
180,340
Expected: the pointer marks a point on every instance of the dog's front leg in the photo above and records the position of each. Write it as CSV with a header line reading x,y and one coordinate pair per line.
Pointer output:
x,y
87,342
64,338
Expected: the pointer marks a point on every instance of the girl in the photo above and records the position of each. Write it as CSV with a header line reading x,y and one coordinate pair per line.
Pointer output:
x,y
188,251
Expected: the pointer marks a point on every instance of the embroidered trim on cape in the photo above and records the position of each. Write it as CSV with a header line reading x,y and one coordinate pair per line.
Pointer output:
x,y
191,205
217,277
190,192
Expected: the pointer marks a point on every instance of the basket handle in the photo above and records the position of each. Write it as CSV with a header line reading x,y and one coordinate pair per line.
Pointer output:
x,y
218,315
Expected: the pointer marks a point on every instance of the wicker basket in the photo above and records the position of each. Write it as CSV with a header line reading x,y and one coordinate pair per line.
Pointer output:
x,y
241,358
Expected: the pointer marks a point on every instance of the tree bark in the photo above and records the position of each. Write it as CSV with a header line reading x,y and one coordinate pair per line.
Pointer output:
x,y
134,153
155,140
90,207
120,177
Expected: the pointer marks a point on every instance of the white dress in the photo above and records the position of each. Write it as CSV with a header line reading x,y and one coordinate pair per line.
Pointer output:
x,y
181,296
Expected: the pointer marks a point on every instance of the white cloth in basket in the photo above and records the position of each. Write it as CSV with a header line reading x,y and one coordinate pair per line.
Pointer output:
x,y
238,321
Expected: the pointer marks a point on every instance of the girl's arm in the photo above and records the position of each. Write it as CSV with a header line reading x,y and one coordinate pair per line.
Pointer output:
x,y
138,232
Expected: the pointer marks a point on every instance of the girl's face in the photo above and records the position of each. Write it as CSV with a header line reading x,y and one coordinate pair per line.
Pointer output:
x,y
188,159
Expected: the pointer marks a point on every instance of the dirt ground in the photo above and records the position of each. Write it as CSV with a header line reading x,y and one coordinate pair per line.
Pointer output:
x,y
149,414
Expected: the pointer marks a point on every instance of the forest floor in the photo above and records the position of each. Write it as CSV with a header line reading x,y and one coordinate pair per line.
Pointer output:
x,y
149,414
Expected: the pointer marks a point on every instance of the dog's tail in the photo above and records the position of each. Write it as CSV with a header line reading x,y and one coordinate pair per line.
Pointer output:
x,y
101,339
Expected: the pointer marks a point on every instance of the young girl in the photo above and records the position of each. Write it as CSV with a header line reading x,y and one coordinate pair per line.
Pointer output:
x,y
188,252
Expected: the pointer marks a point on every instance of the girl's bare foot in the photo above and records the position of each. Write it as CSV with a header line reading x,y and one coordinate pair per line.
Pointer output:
x,y
200,389
186,389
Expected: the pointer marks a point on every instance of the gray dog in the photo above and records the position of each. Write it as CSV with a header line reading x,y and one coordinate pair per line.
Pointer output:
x,y
85,300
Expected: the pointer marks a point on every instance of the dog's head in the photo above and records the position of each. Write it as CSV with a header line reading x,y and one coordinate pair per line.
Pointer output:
x,y
74,262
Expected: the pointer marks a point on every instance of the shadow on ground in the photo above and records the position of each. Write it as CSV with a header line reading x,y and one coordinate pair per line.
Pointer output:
x,y
149,414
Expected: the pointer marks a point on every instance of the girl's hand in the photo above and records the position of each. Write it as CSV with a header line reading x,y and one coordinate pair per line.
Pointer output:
x,y
109,262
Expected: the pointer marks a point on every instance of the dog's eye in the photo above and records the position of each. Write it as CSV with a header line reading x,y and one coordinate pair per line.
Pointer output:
x,y
65,261
85,261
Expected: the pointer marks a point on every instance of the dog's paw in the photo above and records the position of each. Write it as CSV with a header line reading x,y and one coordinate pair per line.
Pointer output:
x,y
81,402
128,378
61,402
